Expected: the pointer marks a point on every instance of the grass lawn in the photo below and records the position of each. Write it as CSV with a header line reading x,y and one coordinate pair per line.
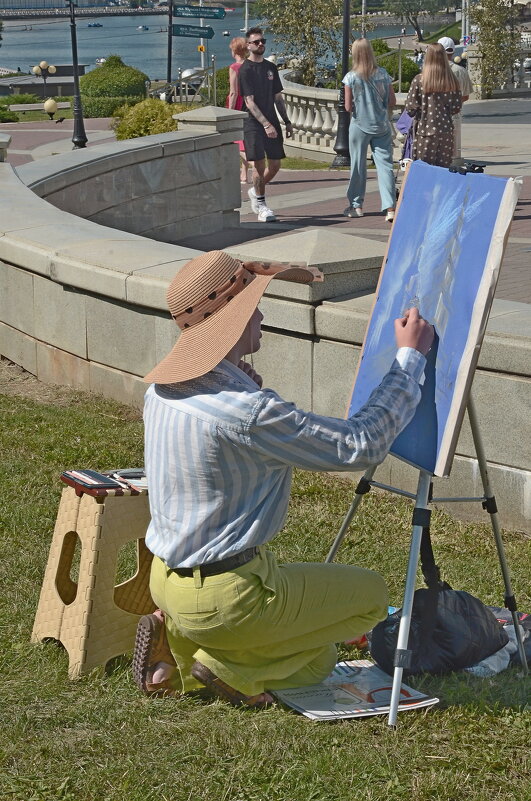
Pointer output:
x,y
41,116
295,163
453,30
98,739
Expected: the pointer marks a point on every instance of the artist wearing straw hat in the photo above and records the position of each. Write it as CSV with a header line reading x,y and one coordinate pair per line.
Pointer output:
x,y
219,452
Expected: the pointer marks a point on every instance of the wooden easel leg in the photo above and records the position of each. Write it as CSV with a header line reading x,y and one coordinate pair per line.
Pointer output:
x,y
420,520
489,505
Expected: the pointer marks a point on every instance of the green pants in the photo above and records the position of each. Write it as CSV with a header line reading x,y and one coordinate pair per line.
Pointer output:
x,y
266,626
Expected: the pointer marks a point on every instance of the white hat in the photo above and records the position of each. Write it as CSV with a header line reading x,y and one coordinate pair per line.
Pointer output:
x,y
447,43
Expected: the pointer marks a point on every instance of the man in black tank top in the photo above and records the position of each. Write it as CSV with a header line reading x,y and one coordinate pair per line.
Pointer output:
x,y
261,89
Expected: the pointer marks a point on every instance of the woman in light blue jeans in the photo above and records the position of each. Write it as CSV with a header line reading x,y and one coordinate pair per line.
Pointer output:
x,y
369,95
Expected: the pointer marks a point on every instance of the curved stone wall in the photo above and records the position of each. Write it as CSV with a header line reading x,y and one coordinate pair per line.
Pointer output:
x,y
164,187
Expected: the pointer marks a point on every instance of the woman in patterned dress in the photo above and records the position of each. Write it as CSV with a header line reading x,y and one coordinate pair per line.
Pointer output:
x,y
434,98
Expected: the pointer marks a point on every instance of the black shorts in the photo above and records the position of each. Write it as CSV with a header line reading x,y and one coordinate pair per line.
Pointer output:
x,y
258,144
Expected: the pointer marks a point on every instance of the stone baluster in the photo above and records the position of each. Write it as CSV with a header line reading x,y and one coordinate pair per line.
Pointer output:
x,y
301,116
328,121
308,121
291,107
317,127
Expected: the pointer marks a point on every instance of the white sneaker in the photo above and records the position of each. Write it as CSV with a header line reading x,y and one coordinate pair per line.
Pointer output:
x,y
255,206
265,214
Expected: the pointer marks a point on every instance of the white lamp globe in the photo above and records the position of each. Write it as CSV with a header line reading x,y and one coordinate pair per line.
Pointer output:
x,y
50,107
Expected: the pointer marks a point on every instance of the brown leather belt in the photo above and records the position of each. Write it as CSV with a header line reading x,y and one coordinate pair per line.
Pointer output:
x,y
223,566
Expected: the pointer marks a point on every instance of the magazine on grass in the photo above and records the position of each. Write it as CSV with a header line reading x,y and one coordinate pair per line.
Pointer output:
x,y
354,689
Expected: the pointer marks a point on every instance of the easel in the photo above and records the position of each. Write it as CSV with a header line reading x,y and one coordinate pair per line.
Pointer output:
x,y
421,520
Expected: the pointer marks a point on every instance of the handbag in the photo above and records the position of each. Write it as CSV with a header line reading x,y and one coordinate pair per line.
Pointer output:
x,y
450,629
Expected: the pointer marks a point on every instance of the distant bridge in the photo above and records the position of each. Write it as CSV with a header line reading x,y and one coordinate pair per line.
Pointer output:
x,y
102,11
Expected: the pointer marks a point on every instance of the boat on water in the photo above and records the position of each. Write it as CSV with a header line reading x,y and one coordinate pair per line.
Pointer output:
x,y
142,28
101,60
95,25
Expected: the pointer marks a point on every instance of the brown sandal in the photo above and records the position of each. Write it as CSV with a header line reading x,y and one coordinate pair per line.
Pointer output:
x,y
151,647
225,691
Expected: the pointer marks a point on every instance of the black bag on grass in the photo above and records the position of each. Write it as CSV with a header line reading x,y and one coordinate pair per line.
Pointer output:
x,y
450,629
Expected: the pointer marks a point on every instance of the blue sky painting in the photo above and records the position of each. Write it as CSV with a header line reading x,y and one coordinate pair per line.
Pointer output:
x,y
444,257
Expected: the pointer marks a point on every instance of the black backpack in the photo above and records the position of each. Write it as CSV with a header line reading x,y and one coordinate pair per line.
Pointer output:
x,y
450,629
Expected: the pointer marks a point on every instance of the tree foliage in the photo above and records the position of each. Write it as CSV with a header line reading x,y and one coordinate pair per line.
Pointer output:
x,y
498,41
114,79
409,69
410,10
222,86
306,31
151,116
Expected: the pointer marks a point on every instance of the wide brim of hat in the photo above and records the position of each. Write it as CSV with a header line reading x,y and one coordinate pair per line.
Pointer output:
x,y
202,346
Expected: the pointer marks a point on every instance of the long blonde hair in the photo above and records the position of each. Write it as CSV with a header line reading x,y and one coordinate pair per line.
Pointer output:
x,y
363,60
437,75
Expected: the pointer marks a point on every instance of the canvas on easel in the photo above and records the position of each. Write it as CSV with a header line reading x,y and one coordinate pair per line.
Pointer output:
x,y
444,257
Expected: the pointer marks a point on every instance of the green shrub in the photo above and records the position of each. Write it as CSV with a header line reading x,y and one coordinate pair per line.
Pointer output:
x,y
409,69
8,116
114,79
9,100
104,106
149,117
222,86
380,47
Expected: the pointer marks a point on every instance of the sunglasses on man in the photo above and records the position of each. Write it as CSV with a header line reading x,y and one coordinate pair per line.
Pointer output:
x,y
258,41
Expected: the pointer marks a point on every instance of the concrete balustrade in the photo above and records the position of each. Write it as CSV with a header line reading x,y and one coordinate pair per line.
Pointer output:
x,y
313,113
83,294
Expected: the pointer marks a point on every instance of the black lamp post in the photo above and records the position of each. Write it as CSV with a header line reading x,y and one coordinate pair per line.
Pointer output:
x,y
342,158
79,138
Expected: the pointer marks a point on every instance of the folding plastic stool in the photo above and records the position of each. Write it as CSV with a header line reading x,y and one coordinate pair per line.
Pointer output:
x,y
92,618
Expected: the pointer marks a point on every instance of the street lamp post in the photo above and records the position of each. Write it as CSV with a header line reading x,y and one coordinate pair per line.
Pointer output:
x,y
44,70
79,138
342,158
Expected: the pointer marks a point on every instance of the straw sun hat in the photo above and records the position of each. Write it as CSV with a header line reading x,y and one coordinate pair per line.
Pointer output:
x,y
212,298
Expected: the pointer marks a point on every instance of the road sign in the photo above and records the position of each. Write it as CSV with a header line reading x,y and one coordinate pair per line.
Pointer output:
x,y
202,12
194,31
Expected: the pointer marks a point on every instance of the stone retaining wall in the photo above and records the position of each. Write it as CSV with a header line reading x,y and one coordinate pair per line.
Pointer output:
x,y
164,187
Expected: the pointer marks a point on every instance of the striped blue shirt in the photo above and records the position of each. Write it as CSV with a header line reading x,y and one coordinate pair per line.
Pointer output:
x,y
219,454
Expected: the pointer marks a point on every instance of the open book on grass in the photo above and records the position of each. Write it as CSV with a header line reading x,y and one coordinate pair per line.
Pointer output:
x,y
354,689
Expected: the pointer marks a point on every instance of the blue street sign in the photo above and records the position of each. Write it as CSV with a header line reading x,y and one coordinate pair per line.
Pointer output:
x,y
193,31
202,12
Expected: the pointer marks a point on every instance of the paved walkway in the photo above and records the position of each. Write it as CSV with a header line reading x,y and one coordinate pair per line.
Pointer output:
x,y
37,140
495,131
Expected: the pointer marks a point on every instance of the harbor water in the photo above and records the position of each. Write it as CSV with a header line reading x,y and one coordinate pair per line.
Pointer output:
x,y
141,42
